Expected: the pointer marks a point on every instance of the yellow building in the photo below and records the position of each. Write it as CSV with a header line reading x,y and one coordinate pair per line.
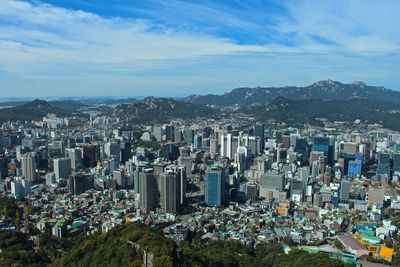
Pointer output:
x,y
386,253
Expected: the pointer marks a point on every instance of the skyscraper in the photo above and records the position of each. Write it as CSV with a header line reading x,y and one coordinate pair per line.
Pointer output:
x,y
188,135
62,168
170,133
323,144
113,149
214,186
344,190
80,182
157,132
120,178
75,154
28,163
259,131
396,162
169,191
148,190
90,156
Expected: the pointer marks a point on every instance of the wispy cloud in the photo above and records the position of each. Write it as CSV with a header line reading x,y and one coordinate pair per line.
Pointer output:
x,y
44,32
178,47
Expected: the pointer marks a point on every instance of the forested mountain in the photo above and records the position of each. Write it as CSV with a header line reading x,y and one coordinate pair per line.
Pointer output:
x,y
306,111
34,110
152,109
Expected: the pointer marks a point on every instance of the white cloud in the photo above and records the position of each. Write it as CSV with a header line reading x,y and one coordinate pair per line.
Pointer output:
x,y
43,47
356,25
44,33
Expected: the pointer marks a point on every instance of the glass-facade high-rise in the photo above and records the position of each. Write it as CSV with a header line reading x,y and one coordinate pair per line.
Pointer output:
x,y
214,191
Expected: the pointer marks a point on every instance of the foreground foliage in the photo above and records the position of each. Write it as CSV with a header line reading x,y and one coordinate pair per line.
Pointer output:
x,y
125,246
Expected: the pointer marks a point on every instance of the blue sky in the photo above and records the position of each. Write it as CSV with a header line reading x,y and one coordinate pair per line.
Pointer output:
x,y
178,48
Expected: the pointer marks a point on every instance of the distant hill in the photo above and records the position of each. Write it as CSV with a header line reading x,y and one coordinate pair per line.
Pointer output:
x,y
306,111
71,105
152,109
33,110
318,90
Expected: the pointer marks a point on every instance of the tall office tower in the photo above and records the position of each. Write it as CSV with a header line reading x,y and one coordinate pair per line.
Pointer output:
x,y
259,131
354,168
113,149
296,190
285,140
383,163
365,152
214,146
75,154
148,190
396,162
229,145
28,163
214,186
344,190
304,175
181,173
20,151
253,142
3,167
323,144
120,178
281,155
293,139
80,182
170,133
301,147
170,152
56,147
62,168
136,180
188,135
90,156
197,141
348,148
126,151
178,136
182,182
169,191
157,132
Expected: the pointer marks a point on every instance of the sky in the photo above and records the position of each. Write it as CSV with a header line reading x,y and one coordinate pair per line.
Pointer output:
x,y
65,48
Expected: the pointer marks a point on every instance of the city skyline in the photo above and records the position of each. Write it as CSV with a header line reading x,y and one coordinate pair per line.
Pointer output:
x,y
175,48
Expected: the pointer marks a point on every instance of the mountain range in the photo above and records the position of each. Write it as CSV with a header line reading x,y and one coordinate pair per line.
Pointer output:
x,y
324,99
309,110
319,90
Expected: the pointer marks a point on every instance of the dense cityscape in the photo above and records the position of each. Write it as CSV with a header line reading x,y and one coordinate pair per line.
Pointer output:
x,y
192,133
330,189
